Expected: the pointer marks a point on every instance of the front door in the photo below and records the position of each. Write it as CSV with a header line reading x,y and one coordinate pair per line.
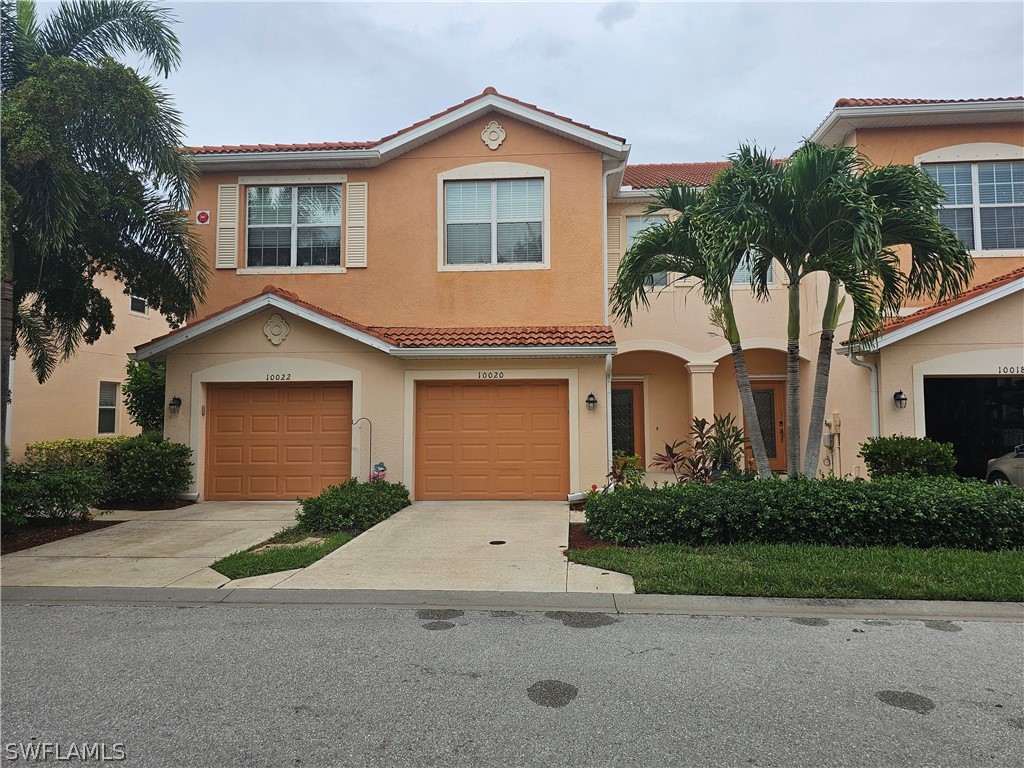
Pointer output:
x,y
628,418
770,401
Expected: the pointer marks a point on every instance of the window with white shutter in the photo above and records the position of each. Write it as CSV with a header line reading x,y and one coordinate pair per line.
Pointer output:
x,y
108,407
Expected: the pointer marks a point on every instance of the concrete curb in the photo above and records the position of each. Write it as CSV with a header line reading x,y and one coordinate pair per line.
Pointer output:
x,y
687,605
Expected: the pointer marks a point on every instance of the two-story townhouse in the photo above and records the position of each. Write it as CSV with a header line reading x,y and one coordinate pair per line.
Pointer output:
x,y
82,398
952,371
437,300
433,300
959,378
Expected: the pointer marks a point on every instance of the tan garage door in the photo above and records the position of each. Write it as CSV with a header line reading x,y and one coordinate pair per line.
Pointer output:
x,y
275,440
488,440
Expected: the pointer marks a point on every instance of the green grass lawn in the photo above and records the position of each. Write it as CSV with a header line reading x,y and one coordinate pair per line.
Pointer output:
x,y
249,563
763,570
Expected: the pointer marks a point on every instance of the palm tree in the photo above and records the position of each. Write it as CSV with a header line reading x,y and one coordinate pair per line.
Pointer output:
x,y
940,267
93,179
824,209
674,246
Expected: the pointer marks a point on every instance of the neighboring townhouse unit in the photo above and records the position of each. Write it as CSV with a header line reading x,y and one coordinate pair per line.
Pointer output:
x,y
437,300
82,398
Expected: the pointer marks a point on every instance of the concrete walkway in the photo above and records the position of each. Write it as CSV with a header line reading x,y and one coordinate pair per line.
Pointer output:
x,y
429,545
153,549
444,545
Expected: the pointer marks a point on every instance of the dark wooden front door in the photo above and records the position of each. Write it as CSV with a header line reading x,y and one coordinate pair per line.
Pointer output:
x,y
770,400
628,418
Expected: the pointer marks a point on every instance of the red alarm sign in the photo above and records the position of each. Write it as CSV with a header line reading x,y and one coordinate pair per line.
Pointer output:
x,y
203,217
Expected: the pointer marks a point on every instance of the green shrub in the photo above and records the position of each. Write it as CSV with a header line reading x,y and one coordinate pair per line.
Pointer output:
x,y
352,506
62,494
902,455
147,469
143,392
70,454
894,511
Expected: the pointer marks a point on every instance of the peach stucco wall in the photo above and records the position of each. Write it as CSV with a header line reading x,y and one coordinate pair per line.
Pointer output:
x,y
67,405
381,389
402,284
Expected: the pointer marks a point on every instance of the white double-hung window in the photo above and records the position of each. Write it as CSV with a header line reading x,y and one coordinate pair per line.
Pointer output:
x,y
634,226
494,222
984,202
293,226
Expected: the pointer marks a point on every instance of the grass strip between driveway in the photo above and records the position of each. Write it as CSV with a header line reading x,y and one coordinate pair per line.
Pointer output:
x,y
777,570
241,565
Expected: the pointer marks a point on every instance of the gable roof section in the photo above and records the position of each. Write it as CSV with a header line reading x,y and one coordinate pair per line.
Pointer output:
x,y
851,114
371,153
648,176
533,341
898,328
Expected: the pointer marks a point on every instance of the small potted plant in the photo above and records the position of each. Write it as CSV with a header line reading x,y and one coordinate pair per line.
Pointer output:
x,y
725,445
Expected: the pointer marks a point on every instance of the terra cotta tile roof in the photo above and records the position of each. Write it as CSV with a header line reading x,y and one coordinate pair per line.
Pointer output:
x,y
899,322
517,336
657,174
406,337
896,102
342,145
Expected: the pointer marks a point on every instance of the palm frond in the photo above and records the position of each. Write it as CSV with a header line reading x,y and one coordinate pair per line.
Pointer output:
x,y
91,30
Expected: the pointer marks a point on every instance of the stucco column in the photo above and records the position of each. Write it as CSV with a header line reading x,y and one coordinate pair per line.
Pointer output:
x,y
702,390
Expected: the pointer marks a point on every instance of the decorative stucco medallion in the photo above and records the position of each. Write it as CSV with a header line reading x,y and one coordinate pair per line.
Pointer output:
x,y
276,329
493,135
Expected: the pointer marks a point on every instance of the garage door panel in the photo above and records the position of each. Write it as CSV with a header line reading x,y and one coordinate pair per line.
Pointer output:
x,y
263,454
269,441
226,424
300,394
507,440
299,425
267,425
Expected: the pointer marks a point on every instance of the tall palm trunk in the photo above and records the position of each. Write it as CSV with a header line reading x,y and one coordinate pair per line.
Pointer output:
x,y
6,344
793,381
739,361
829,321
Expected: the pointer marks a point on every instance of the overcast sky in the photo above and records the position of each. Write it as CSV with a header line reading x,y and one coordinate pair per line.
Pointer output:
x,y
680,81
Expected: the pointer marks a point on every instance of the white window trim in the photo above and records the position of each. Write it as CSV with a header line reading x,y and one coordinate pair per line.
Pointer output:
x,y
492,172
143,313
978,152
673,280
115,408
293,268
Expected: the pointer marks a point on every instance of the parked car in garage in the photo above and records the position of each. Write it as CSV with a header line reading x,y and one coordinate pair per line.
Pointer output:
x,y
1007,469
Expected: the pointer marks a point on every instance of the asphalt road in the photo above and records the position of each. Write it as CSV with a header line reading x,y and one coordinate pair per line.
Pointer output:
x,y
287,686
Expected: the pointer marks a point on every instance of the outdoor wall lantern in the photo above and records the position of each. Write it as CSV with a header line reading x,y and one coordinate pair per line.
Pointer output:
x,y
900,399
591,402
175,405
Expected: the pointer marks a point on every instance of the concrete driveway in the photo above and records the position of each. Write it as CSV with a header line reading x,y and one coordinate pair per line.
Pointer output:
x,y
511,546
427,546
170,548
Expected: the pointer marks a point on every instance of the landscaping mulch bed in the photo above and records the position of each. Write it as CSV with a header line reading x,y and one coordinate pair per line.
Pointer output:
x,y
151,507
581,541
36,532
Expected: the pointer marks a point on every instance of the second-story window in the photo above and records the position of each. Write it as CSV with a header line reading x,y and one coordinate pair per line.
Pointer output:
x,y
494,222
984,202
742,274
634,226
293,226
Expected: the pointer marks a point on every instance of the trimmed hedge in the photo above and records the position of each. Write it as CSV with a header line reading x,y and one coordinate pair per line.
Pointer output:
x,y
895,511
913,456
71,453
147,469
352,506
62,494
